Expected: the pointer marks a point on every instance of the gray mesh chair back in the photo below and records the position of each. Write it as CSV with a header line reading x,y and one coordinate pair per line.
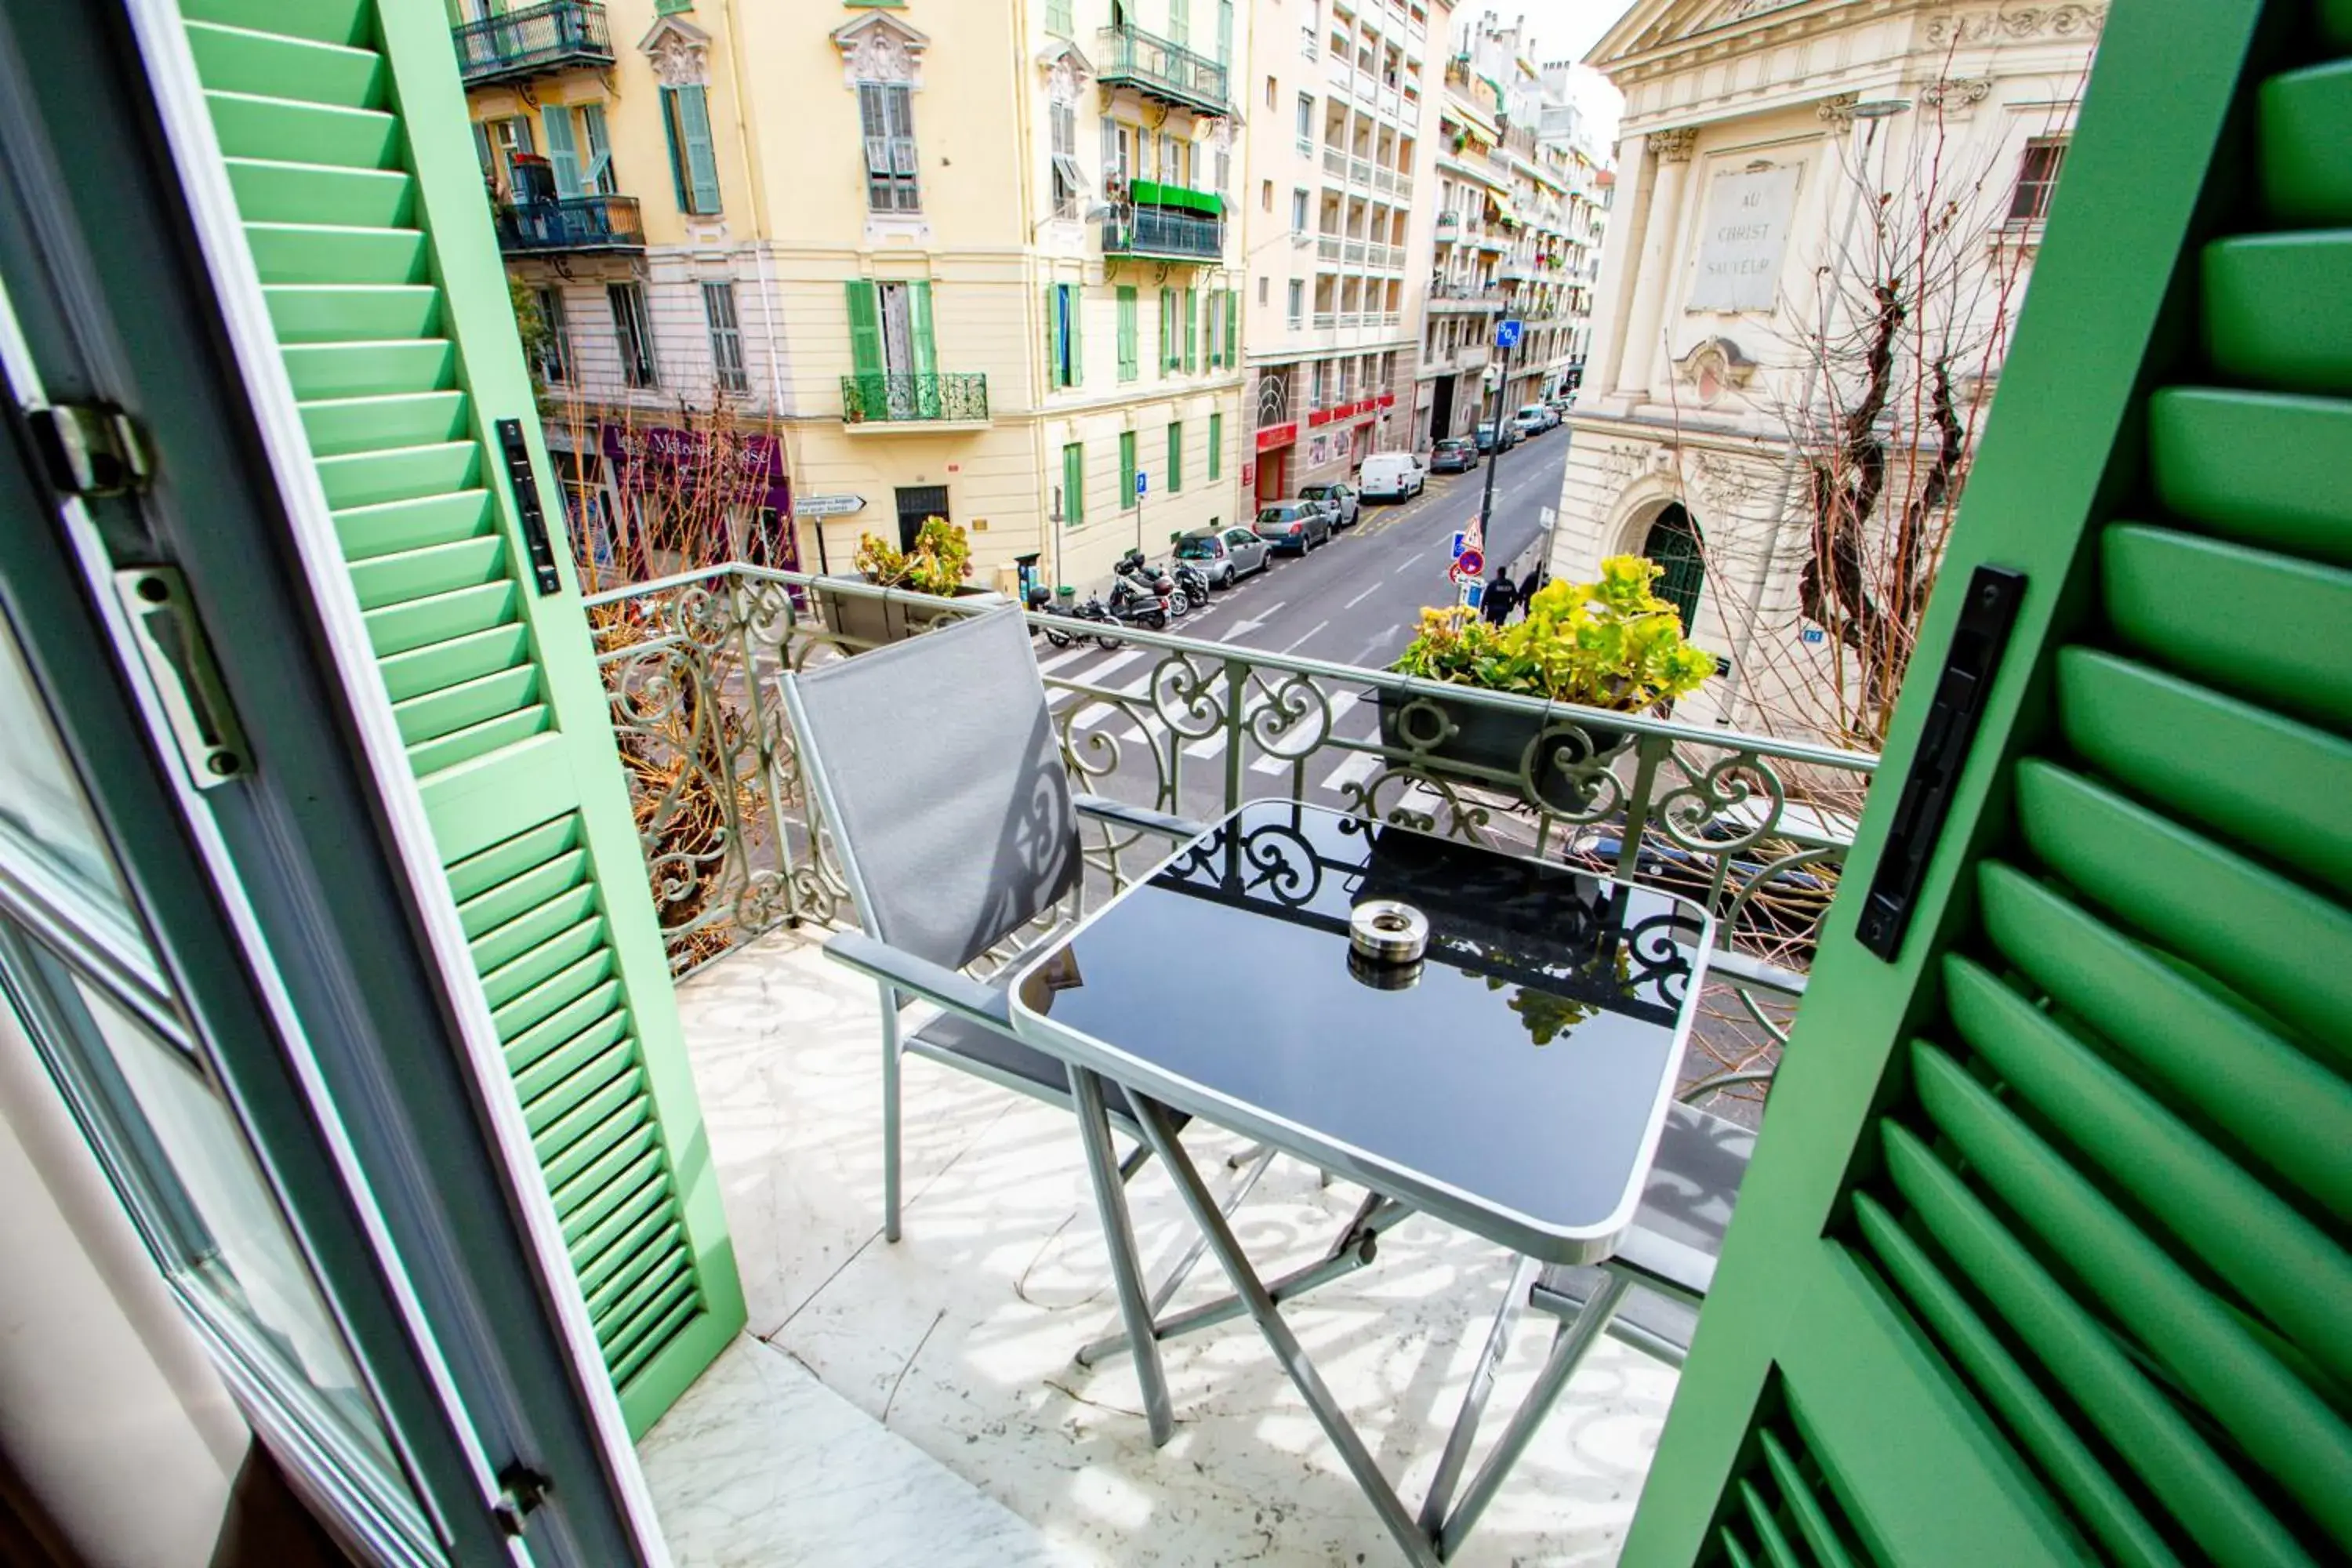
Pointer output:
x,y
935,761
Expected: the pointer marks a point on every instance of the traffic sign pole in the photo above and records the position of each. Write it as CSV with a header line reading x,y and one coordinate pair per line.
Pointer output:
x,y
1495,459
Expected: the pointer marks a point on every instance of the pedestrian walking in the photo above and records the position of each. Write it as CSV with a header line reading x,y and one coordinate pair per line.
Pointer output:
x,y
1501,596
1534,580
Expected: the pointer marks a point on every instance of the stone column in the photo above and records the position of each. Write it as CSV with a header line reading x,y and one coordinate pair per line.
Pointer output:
x,y
1639,352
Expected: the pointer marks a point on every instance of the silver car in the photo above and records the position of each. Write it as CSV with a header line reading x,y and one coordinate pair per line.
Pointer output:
x,y
1225,556
1339,502
1294,525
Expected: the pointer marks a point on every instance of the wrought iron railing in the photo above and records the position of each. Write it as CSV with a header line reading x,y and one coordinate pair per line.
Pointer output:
x,y
1158,69
1751,827
514,45
570,223
1164,231
883,397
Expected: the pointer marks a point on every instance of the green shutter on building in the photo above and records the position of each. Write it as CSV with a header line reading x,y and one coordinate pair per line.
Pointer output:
x,y
1167,331
918,328
865,327
671,134
1216,446
693,105
1226,32
1074,299
344,129
1073,485
1127,354
562,153
1180,23
1191,331
2043,1254
1232,329
1126,469
1175,457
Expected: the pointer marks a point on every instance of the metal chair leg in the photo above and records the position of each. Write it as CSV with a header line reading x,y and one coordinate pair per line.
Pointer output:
x,y
1568,1350
890,1053
1473,1400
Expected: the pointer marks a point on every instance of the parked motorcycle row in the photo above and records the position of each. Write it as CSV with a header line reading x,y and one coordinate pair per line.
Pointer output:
x,y
1141,595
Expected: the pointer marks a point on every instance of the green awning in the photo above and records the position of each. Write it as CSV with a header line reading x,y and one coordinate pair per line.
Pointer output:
x,y
1152,194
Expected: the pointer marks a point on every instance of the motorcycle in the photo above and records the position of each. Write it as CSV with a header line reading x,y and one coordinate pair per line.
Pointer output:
x,y
1090,611
1191,581
1137,576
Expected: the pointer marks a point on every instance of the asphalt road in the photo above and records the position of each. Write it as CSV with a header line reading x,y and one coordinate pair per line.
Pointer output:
x,y
1355,601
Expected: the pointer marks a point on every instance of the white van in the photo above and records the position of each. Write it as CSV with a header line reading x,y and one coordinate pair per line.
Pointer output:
x,y
1390,476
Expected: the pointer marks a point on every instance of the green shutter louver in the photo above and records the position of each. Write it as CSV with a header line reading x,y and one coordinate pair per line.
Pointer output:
x,y
1191,331
1168,348
1073,485
1074,296
692,105
562,150
1126,330
2065,1189
342,127
865,327
1216,446
1232,329
1175,481
1126,469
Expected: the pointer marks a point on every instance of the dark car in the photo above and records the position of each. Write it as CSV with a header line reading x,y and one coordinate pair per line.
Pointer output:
x,y
1339,500
1454,455
1224,555
1298,526
1485,438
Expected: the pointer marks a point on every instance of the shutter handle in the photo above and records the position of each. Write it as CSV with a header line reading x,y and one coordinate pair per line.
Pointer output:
x,y
179,660
517,452
1986,618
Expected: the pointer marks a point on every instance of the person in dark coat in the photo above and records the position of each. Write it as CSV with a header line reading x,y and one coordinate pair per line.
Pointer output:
x,y
1500,598
1535,580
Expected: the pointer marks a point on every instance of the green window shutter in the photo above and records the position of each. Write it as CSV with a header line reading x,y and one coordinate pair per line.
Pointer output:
x,y
1226,32
1053,336
562,154
1073,299
918,325
1232,329
1127,332
1175,457
865,327
402,359
1191,331
673,135
596,172
490,159
2061,1189
1126,469
1180,23
1073,485
701,164
1168,350
1216,446
1057,17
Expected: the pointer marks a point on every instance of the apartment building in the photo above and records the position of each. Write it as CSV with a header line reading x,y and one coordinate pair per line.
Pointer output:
x,y
1336,244
904,261
1472,223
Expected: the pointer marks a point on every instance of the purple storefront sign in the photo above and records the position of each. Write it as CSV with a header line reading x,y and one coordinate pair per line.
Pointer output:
x,y
656,454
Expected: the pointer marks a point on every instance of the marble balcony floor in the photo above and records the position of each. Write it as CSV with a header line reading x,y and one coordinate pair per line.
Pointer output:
x,y
936,1377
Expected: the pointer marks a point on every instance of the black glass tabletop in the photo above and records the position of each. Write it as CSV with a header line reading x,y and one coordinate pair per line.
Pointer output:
x,y
1521,1066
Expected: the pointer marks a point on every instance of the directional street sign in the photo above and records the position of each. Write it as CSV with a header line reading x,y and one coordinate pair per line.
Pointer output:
x,y
828,506
1507,332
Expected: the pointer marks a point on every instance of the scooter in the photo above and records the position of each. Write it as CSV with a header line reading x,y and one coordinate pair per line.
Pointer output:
x,y
1135,572
1091,611
1191,581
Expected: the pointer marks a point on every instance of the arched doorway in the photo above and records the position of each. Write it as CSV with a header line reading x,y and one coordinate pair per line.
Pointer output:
x,y
1673,542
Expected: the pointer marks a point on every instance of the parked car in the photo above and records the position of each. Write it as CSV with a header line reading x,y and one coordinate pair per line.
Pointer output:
x,y
1225,556
1339,500
1561,404
1532,420
1453,454
1298,526
1392,476
1486,437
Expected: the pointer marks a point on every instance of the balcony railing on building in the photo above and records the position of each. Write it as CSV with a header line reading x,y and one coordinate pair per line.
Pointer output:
x,y
914,398
561,223
561,34
1141,229
1750,826
1161,70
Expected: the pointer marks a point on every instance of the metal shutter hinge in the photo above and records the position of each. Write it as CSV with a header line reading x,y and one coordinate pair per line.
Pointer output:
x,y
91,451
521,1490
179,660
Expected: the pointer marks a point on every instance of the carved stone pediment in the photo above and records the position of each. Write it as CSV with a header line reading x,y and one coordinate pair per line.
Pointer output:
x,y
877,47
679,50
1714,366
1068,70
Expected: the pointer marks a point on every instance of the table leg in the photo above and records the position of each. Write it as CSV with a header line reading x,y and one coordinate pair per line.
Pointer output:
x,y
1473,1400
1418,1548
1118,1239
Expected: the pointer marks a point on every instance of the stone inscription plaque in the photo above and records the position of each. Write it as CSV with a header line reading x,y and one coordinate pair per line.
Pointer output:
x,y
1742,237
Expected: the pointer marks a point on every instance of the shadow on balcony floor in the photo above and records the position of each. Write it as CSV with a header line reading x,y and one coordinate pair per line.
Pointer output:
x,y
960,1338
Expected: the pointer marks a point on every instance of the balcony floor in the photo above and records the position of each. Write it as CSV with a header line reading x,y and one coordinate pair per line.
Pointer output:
x,y
960,1338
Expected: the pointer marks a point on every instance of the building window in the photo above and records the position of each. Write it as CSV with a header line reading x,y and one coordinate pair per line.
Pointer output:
x,y
1180,23
1226,32
887,112
1064,349
1127,332
2037,176
1298,212
1126,469
1263,283
1175,481
1169,350
1070,184
1306,119
1674,543
633,333
1057,17
1216,446
1225,170
504,141
597,176
554,347
1297,301
1216,328
726,337
693,169
1273,91
1073,485
1266,195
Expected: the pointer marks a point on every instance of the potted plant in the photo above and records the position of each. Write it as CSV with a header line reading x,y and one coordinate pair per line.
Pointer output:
x,y
1613,644
938,561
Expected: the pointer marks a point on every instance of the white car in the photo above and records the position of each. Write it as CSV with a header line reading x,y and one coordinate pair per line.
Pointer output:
x,y
1392,476
1532,420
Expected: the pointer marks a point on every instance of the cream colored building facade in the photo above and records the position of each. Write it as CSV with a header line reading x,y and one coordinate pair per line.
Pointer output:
x,y
952,260
1336,243
1734,190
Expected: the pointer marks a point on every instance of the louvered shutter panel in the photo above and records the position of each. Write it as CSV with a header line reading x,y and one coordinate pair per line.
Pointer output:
x,y
2044,1256
1192,331
343,130
1232,328
1075,298
701,163
1053,339
1126,328
562,151
918,328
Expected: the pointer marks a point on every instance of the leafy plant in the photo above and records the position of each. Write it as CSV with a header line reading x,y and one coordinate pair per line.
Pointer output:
x,y
938,563
1612,643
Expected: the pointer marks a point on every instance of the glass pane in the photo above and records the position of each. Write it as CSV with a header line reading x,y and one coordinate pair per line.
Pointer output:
x,y
43,813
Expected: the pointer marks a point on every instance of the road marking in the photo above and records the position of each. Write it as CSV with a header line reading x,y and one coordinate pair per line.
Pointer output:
x,y
1361,597
1359,766
1404,567
1311,631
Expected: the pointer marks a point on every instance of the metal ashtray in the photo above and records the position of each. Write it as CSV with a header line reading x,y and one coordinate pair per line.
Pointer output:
x,y
1386,941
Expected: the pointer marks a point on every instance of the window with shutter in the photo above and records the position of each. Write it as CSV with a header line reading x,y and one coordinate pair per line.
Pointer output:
x,y
633,334
596,173
1073,485
1069,182
1057,17
1224,38
555,336
1126,469
562,151
400,368
1127,332
1180,23
1191,331
726,338
2042,1255
1168,349
1216,446
1174,481
887,115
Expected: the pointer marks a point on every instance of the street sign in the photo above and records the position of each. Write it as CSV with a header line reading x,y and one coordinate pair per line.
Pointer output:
x,y
1812,633
1507,332
1471,592
828,506
1461,543
1142,479
1467,565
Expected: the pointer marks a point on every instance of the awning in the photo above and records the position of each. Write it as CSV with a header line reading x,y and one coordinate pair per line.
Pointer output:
x,y
1478,123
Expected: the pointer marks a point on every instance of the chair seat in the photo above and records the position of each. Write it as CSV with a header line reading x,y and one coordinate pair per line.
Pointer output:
x,y
1000,1055
1677,1233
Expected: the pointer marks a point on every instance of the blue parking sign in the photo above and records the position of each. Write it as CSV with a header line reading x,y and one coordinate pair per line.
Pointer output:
x,y
1141,479
1507,332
